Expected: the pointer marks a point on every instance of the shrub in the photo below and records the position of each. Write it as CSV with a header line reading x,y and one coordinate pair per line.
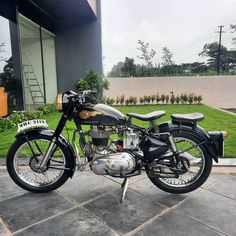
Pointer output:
x,y
20,116
117,100
46,109
127,101
141,100
184,98
110,101
147,99
153,98
199,98
167,99
163,98
195,98
177,99
122,99
92,81
135,100
190,98
172,98
158,99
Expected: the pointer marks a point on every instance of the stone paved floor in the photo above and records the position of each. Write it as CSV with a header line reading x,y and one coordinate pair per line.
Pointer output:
x,y
90,205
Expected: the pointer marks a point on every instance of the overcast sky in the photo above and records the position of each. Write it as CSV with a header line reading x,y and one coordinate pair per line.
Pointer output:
x,y
184,26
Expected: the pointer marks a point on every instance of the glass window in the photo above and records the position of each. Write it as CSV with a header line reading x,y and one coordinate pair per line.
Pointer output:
x,y
9,83
49,65
31,63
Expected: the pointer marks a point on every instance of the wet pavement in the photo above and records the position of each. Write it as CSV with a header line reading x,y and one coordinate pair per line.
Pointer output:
x,y
90,205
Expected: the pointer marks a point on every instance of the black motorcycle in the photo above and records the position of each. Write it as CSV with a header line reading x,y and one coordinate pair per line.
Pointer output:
x,y
176,155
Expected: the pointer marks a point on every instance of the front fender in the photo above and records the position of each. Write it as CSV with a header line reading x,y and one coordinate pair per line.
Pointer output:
x,y
62,140
197,132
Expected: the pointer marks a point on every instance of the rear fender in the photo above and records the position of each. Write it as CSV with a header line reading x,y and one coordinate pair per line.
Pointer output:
x,y
196,131
62,140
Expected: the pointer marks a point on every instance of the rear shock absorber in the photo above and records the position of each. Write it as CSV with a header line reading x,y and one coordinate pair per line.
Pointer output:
x,y
154,126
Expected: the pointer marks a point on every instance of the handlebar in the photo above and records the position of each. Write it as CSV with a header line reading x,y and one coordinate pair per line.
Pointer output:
x,y
81,96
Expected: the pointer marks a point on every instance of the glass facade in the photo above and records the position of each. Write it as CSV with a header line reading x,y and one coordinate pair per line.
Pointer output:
x,y
9,82
38,64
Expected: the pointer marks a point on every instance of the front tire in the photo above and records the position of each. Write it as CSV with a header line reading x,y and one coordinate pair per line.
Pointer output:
x,y
174,185
21,164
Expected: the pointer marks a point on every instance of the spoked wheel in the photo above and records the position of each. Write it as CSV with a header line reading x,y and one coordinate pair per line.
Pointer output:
x,y
194,170
22,164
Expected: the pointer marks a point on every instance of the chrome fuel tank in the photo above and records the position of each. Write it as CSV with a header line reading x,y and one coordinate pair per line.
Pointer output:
x,y
101,114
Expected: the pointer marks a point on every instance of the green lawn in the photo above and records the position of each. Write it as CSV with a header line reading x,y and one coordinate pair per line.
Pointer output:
x,y
214,120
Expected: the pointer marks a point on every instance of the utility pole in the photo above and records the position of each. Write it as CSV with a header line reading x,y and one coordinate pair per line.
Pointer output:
x,y
219,48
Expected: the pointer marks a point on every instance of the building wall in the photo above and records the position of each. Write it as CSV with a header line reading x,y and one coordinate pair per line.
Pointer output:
x,y
217,91
78,49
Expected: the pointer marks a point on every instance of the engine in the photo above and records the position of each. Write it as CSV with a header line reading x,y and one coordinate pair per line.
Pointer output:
x,y
113,164
110,157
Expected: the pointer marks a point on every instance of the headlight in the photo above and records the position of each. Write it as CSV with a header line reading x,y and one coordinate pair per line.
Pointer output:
x,y
59,101
62,101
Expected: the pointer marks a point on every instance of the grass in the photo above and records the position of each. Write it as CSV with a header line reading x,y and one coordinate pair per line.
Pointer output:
x,y
214,120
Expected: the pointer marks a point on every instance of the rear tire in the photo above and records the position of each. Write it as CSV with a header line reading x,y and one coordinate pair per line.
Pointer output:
x,y
16,159
205,171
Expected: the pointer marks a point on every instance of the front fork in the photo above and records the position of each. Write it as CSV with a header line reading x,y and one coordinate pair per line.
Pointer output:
x,y
52,145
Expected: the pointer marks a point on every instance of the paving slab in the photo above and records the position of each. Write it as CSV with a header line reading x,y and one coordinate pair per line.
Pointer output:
x,y
86,186
126,216
212,209
95,208
8,188
174,224
147,188
3,230
212,179
24,210
73,222
225,186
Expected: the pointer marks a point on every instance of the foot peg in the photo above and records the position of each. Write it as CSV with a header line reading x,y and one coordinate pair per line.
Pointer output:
x,y
124,185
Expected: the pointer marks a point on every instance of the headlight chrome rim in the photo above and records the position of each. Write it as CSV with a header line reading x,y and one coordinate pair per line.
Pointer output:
x,y
59,101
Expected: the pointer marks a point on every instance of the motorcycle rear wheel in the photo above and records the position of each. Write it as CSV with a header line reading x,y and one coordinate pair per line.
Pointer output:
x,y
21,164
179,185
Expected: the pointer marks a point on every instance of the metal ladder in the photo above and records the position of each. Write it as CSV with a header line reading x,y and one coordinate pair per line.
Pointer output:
x,y
32,82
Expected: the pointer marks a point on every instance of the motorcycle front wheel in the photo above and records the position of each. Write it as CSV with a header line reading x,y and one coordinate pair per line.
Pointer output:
x,y
22,164
197,160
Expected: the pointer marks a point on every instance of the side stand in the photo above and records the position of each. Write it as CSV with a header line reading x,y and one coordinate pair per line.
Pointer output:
x,y
124,185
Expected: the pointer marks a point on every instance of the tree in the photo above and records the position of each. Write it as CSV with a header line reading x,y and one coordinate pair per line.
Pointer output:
x,y
147,54
10,83
129,68
227,58
116,70
92,81
2,45
167,62
233,30
167,57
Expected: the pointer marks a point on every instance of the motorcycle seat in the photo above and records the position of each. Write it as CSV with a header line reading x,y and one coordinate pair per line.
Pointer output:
x,y
191,117
148,117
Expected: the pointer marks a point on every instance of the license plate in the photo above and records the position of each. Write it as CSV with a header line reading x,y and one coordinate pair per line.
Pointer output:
x,y
30,124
